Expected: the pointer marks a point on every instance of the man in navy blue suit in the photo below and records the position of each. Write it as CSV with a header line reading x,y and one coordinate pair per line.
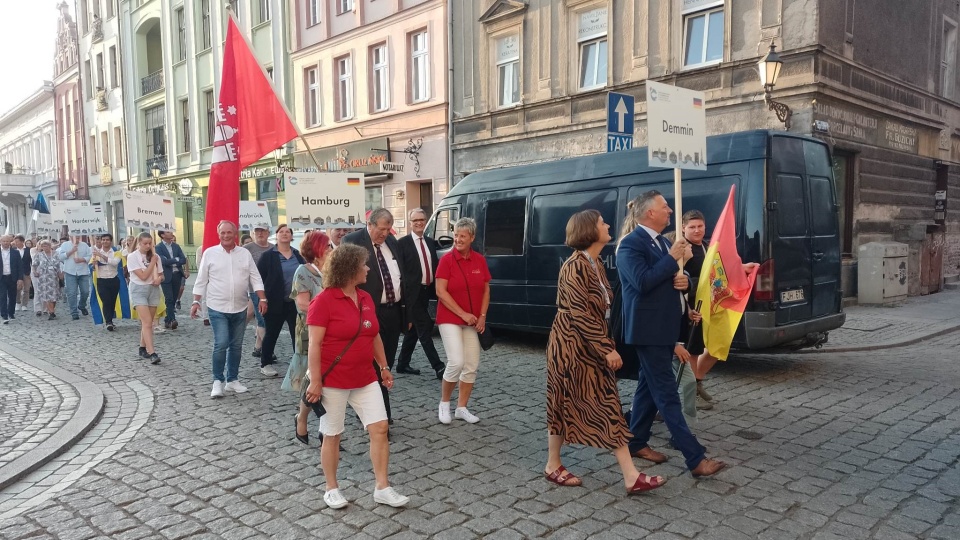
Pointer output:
x,y
173,260
652,311
11,278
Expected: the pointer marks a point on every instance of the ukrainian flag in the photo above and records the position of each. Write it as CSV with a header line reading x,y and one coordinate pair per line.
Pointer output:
x,y
123,308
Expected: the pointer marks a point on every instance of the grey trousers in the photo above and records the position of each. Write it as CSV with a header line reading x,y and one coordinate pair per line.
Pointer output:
x,y
688,392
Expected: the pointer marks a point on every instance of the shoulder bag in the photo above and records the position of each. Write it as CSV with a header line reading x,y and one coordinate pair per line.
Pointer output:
x,y
317,405
486,337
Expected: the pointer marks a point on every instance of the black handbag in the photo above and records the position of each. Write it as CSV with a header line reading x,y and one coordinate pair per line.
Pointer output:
x,y
317,406
486,337
631,366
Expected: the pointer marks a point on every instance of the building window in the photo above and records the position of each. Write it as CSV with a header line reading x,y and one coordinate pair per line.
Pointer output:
x,y
948,60
313,12
344,88
508,71
101,77
420,72
185,125
93,155
344,6
205,39
156,138
211,108
111,9
82,15
592,44
265,10
270,73
104,149
88,83
372,198
703,35
118,147
181,35
379,79
312,106
114,68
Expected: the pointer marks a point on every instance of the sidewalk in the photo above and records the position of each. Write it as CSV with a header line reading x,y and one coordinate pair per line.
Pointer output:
x,y
880,327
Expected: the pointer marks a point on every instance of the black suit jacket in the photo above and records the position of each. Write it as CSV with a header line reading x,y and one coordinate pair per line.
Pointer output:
x,y
168,259
16,265
271,272
26,261
413,273
374,284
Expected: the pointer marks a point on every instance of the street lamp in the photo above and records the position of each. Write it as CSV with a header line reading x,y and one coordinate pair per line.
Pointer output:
x,y
73,188
769,67
278,157
155,170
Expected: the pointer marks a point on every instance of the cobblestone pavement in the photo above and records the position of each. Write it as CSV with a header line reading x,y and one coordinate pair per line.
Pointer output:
x,y
834,445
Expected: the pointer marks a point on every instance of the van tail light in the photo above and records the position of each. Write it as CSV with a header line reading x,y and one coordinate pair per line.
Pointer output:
x,y
763,287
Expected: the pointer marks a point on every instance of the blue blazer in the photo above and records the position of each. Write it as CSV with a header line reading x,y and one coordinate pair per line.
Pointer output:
x,y
168,259
652,310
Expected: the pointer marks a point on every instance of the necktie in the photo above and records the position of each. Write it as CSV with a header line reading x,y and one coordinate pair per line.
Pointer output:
x,y
385,272
426,263
663,244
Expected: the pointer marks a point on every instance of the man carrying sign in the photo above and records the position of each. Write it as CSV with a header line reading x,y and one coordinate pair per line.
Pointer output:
x,y
75,255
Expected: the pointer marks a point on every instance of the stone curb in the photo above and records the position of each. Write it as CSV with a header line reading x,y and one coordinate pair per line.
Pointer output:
x,y
87,414
879,346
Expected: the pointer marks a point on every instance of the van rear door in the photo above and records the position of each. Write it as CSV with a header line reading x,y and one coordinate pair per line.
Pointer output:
x,y
805,245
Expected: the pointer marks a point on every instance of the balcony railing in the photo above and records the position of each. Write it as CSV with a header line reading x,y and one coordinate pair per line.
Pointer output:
x,y
151,83
97,29
160,162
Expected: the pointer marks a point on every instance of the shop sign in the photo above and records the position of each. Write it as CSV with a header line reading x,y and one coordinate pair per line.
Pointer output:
x,y
258,172
388,167
852,123
364,157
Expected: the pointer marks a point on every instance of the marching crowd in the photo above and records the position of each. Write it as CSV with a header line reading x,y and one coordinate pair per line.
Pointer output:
x,y
349,299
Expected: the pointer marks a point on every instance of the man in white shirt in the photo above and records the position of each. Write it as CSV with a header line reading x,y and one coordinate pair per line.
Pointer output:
x,y
225,274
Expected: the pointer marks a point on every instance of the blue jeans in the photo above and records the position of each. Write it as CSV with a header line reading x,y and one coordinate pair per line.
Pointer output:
x,y
71,284
228,331
657,390
261,322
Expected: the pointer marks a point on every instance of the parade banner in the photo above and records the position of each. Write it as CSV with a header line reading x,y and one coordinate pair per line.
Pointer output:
x,y
322,200
254,214
151,212
45,225
80,217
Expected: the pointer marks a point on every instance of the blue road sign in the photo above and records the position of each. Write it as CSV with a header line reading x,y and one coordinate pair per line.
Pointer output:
x,y
616,143
619,114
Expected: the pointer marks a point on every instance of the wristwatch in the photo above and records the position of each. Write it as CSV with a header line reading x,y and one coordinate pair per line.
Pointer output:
x,y
196,302
384,368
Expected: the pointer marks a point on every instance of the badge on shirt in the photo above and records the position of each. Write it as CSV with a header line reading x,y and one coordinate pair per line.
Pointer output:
x,y
367,324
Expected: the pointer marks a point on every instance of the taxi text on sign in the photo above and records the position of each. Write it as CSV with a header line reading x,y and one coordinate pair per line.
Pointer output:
x,y
677,127
619,122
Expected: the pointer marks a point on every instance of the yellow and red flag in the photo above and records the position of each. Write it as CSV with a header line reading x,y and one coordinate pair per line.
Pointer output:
x,y
724,287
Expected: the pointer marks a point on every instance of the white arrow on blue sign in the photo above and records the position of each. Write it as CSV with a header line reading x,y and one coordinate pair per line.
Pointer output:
x,y
619,114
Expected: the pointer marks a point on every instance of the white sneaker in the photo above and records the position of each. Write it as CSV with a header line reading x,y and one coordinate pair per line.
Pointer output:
x,y
235,386
268,371
463,414
334,499
388,496
444,413
217,389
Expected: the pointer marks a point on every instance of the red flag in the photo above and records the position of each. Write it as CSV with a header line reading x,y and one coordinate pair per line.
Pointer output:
x,y
251,122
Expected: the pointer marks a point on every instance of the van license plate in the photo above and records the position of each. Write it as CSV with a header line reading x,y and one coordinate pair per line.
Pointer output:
x,y
791,296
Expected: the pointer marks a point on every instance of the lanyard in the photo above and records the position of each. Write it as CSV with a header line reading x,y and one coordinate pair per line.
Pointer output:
x,y
596,273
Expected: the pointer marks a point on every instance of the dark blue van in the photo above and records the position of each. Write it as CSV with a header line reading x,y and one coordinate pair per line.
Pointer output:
x,y
787,220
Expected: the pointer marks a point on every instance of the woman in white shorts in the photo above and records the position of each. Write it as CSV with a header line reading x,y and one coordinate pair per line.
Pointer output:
x,y
344,336
146,275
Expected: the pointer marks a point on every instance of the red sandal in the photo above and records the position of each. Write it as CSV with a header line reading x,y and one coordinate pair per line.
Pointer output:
x,y
561,476
646,483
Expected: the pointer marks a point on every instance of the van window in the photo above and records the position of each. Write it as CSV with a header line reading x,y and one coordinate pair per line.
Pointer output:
x,y
551,213
504,226
708,195
791,214
442,223
822,206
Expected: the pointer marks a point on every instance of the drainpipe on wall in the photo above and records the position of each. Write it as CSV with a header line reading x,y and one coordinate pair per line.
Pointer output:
x,y
450,95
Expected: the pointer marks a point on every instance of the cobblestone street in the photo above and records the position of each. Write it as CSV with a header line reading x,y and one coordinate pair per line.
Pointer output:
x,y
830,445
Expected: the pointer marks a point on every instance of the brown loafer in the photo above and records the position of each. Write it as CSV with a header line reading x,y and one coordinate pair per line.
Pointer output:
x,y
650,454
708,467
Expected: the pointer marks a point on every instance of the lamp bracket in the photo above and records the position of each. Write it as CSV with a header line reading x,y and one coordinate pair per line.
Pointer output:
x,y
783,112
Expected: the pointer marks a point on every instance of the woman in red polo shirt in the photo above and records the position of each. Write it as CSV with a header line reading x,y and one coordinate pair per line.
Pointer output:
x,y
344,336
463,288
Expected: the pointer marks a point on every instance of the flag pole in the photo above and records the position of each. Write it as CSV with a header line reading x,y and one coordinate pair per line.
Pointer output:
x,y
693,328
678,211
283,104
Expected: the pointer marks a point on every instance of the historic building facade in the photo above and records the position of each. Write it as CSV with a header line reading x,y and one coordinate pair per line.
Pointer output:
x,y
28,160
371,94
530,80
72,179
104,130
172,56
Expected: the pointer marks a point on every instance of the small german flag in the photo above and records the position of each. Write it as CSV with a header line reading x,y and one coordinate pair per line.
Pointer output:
x,y
697,102
168,201
353,181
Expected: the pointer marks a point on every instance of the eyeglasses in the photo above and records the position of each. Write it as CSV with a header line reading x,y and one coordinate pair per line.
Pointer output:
x,y
418,221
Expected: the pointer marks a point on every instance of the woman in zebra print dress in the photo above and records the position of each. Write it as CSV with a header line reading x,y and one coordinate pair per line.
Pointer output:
x,y
583,404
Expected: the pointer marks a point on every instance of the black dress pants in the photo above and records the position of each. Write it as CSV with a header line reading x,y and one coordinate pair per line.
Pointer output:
x,y
274,319
421,331
390,317
8,298
108,289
